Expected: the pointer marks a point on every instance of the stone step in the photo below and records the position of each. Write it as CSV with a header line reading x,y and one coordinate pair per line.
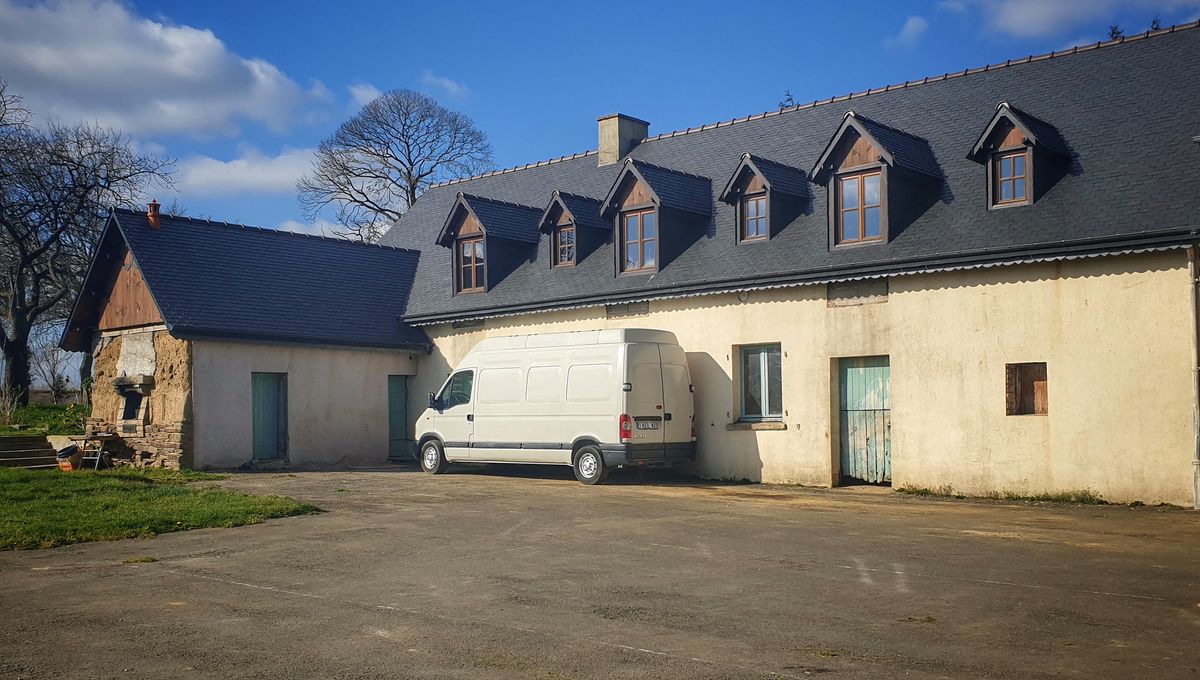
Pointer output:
x,y
30,462
46,450
22,442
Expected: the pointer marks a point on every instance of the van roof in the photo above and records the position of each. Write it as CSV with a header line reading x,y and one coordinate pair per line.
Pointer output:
x,y
572,338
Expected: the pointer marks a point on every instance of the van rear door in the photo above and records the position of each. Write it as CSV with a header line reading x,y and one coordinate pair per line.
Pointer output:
x,y
677,395
644,400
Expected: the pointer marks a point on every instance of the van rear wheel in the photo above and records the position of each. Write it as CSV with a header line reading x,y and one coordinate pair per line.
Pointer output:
x,y
589,465
433,460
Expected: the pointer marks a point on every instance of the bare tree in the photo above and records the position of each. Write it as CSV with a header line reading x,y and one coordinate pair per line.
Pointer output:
x,y
50,362
378,162
56,186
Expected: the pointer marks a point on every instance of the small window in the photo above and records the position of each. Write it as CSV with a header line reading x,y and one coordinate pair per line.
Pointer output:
x,y
458,389
132,408
1010,187
859,213
1026,387
471,265
564,246
639,239
754,217
762,383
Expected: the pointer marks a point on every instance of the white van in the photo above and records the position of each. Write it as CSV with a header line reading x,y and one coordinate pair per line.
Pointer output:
x,y
593,400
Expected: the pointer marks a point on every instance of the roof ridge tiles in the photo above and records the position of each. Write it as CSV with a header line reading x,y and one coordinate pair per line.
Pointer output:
x,y
1077,49
268,230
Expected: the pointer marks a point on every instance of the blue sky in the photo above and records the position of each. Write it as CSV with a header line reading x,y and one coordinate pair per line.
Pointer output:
x,y
240,92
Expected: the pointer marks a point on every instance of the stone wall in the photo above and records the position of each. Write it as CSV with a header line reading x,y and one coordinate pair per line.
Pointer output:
x,y
159,433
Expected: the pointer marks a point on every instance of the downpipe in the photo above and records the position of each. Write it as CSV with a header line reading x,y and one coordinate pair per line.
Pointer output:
x,y
1194,286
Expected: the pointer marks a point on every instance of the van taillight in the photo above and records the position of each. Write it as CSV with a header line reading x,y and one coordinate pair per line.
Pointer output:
x,y
626,428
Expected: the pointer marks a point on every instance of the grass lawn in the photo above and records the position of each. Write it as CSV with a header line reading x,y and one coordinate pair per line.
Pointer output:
x,y
45,508
47,419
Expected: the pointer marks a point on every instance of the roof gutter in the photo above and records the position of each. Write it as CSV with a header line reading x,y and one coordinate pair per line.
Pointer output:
x,y
1172,238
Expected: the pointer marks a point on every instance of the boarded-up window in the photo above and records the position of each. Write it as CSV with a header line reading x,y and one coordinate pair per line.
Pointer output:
x,y
1026,388
627,309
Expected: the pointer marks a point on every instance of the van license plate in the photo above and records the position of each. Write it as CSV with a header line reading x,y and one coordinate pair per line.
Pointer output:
x,y
647,424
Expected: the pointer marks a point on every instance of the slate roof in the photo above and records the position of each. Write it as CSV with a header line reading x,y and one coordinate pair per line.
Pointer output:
x,y
1127,111
219,280
675,189
504,220
908,150
780,177
585,210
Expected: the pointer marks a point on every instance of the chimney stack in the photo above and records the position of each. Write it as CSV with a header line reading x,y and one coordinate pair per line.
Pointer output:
x,y
152,214
618,135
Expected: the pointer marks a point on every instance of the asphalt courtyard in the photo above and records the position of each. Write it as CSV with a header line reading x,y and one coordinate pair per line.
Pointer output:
x,y
503,573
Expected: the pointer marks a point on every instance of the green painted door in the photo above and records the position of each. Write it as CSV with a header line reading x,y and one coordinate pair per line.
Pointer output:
x,y
269,404
866,421
398,441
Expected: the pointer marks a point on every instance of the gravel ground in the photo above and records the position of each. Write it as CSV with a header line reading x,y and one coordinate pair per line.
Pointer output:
x,y
524,573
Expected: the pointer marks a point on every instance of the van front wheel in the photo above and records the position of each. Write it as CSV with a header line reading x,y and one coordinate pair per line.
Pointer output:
x,y
589,465
433,460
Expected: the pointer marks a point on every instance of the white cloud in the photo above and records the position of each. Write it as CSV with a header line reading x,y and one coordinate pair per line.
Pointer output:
x,y
1041,18
97,61
318,228
363,93
252,173
910,33
450,87
956,6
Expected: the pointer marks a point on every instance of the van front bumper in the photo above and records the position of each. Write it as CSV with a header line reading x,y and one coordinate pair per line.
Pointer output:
x,y
648,455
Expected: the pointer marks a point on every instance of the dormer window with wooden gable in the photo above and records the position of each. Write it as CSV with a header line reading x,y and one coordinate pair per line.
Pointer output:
x,y
657,213
1024,156
488,239
574,227
766,196
879,179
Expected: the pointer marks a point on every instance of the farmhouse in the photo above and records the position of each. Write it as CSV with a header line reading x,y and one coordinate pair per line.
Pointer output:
x,y
984,281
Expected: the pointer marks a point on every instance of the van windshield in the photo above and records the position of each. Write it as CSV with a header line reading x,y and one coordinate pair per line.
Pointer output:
x,y
458,389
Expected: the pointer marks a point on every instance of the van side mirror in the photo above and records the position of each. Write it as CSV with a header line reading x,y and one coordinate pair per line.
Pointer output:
x,y
434,402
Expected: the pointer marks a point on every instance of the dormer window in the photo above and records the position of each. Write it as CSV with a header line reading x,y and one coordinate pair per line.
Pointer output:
x,y
860,205
766,196
1008,169
564,246
1024,157
472,265
879,180
656,214
487,240
573,227
639,239
754,217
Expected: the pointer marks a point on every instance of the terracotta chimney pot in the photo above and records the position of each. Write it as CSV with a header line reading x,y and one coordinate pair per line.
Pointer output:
x,y
152,214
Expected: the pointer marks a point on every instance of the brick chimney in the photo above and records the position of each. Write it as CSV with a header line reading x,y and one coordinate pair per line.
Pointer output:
x,y
152,215
618,135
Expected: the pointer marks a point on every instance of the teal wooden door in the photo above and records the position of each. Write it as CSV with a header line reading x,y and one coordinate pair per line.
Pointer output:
x,y
269,414
866,420
398,441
